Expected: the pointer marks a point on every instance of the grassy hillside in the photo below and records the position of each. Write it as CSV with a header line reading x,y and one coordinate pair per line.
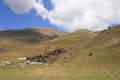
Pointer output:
x,y
66,41
78,37
48,31
15,43
76,63
107,38
15,39
23,35
105,49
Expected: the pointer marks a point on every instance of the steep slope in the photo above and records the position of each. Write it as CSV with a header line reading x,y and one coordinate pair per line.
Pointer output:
x,y
104,48
72,42
107,38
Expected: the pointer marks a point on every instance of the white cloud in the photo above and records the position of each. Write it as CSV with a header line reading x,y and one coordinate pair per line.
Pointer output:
x,y
39,7
24,6
73,14
84,14
20,6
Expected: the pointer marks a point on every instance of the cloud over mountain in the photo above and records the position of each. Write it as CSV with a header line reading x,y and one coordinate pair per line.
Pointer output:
x,y
73,14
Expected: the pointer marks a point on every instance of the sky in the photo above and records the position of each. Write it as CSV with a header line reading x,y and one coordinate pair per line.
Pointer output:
x,y
64,15
13,20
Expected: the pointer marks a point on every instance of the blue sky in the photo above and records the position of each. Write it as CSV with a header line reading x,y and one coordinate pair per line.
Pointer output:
x,y
64,15
11,20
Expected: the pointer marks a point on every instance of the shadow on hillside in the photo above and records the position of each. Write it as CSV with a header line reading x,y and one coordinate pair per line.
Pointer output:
x,y
25,35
